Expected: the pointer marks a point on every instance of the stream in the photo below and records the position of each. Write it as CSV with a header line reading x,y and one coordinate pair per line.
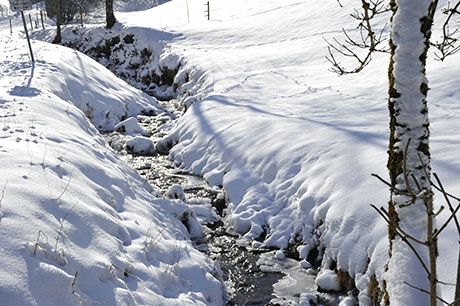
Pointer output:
x,y
252,276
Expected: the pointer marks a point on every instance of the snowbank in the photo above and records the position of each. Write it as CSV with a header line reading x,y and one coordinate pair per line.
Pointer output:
x,y
293,144
78,226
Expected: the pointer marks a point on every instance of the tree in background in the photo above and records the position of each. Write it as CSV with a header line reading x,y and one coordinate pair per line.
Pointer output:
x,y
110,17
58,37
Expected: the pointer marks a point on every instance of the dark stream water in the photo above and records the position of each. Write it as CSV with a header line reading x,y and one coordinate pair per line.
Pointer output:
x,y
252,276
246,281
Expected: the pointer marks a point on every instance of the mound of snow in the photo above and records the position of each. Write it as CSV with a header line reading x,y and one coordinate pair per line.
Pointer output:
x,y
294,145
77,225
327,281
130,126
140,145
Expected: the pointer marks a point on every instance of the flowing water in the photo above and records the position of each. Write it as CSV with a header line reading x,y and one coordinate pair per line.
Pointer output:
x,y
252,276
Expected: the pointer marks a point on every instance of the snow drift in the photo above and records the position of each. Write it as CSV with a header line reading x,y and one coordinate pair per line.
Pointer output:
x,y
78,226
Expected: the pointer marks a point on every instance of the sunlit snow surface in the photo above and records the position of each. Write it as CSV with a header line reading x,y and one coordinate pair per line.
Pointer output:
x,y
293,144
77,225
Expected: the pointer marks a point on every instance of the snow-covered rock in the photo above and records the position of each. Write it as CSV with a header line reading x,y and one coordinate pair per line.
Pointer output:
x,y
130,126
327,281
176,192
140,145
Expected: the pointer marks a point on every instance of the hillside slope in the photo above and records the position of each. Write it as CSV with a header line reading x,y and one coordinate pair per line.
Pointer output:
x,y
294,144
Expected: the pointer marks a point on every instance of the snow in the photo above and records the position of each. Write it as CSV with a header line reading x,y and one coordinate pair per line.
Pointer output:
x,y
176,192
327,280
409,108
293,145
130,126
77,225
140,145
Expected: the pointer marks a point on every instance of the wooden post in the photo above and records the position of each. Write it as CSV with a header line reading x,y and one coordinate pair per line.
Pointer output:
x,y
31,23
188,12
81,16
27,36
43,23
209,16
11,26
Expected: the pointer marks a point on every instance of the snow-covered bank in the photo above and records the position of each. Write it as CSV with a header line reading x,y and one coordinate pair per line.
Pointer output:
x,y
293,144
76,224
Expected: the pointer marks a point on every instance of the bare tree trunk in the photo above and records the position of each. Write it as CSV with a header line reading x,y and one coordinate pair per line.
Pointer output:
x,y
58,37
110,17
409,156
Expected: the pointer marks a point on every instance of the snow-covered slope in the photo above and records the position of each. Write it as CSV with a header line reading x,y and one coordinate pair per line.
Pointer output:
x,y
78,226
293,144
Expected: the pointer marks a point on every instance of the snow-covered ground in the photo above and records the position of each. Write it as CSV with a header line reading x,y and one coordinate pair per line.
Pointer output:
x,y
293,144
78,226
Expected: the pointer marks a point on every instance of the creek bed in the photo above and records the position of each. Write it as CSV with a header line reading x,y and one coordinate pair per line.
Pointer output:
x,y
252,276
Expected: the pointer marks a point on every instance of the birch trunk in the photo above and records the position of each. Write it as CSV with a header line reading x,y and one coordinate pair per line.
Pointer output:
x,y
408,88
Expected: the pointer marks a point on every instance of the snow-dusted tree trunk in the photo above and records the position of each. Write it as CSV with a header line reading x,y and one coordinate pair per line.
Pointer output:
x,y
412,207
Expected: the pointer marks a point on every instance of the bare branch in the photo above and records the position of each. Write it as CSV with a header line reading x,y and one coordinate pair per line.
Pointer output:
x,y
3,193
62,225
406,179
451,208
403,238
449,44
399,229
65,189
396,190
368,39
427,292
434,185
447,222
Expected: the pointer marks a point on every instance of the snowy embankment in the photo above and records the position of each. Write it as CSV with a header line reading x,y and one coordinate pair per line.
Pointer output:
x,y
78,226
293,144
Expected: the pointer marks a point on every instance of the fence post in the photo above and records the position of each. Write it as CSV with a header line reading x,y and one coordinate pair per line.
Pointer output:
x,y
11,26
43,23
27,36
188,12
207,12
81,16
31,23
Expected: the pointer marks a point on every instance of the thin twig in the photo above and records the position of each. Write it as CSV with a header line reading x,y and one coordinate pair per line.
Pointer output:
x,y
404,233
448,46
396,229
368,39
406,179
433,184
37,243
62,224
3,193
65,189
447,222
427,292
451,208
398,191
